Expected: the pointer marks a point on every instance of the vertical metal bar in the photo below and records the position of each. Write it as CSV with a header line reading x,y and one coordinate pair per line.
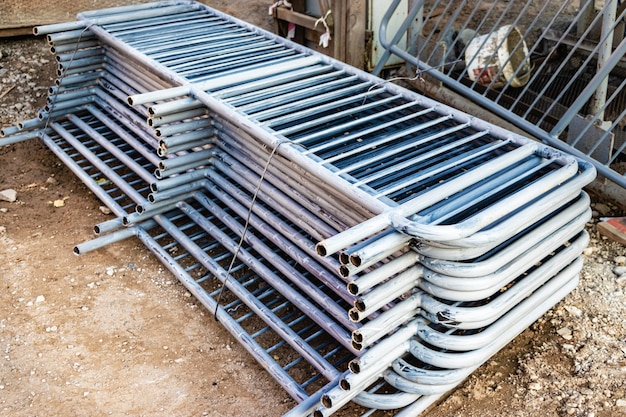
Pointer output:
x,y
606,47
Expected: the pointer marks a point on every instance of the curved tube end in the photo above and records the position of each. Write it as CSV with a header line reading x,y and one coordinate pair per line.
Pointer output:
x,y
321,249
326,401
355,260
344,258
344,271
345,385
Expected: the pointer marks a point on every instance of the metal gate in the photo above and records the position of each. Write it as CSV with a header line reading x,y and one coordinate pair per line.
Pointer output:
x,y
554,68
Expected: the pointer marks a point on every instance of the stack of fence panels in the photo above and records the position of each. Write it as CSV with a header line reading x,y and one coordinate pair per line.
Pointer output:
x,y
389,243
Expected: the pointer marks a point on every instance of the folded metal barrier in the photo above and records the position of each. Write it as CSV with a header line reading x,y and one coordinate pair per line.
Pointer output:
x,y
388,243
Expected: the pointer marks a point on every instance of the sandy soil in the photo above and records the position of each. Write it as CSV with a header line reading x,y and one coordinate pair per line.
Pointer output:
x,y
113,333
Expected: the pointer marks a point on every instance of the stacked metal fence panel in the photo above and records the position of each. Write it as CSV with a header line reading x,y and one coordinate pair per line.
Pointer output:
x,y
389,243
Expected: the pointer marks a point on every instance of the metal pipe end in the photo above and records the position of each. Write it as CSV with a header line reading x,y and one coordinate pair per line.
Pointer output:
x,y
357,346
345,385
344,271
158,132
344,258
353,288
76,250
353,314
318,413
354,366
355,260
129,99
321,250
326,402
357,337
359,304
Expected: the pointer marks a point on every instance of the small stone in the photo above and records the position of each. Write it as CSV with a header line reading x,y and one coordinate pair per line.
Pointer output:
x,y
571,411
565,332
51,329
535,386
574,311
51,181
588,251
620,403
621,280
40,299
4,210
602,208
3,230
620,260
9,195
619,270
111,271
104,210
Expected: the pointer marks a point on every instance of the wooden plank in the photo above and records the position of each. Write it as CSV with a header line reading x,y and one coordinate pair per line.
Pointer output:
x,y
356,34
300,19
613,228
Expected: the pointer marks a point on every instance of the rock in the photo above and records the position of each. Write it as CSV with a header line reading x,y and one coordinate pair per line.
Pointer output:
x,y
619,270
602,208
574,311
40,299
621,280
565,332
620,260
104,210
9,195
3,230
620,403
589,251
111,271
535,386
51,181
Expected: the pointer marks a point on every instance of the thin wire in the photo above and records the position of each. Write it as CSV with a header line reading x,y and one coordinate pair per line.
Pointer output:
x,y
418,76
245,228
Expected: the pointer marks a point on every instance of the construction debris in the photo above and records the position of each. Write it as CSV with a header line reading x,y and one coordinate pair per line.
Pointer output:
x,y
613,228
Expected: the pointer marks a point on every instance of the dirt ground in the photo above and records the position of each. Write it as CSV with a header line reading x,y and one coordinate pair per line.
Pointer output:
x,y
113,333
